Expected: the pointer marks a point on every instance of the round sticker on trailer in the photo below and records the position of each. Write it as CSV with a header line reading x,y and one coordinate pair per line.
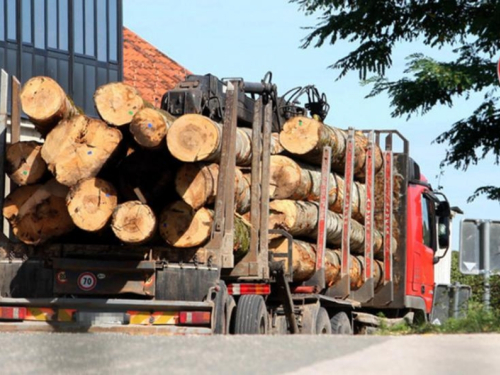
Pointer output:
x,y
87,281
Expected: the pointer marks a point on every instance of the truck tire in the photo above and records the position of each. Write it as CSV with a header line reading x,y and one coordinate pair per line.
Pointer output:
x,y
341,324
251,316
323,324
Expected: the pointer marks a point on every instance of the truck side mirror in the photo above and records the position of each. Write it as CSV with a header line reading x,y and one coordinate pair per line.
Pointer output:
x,y
444,231
443,212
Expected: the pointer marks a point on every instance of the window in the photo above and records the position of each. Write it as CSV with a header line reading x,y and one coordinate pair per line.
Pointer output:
x,y
78,25
428,223
112,31
102,31
39,22
27,21
63,14
89,28
51,23
11,20
2,20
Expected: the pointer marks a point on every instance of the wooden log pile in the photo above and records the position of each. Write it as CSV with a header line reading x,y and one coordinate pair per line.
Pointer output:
x,y
148,177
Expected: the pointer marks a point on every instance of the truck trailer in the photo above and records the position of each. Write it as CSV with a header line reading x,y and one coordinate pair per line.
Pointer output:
x,y
70,285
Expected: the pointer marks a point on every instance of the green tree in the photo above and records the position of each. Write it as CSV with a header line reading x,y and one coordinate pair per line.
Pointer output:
x,y
471,28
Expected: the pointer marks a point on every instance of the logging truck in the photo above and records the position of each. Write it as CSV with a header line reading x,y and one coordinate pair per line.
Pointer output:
x,y
242,212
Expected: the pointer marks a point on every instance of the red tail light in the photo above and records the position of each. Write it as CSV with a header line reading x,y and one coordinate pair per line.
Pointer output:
x,y
241,289
194,317
12,313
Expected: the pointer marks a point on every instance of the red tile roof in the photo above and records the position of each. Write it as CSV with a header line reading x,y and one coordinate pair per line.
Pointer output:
x,y
148,69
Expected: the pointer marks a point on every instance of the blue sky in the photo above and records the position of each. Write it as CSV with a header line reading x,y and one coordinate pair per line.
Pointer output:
x,y
247,38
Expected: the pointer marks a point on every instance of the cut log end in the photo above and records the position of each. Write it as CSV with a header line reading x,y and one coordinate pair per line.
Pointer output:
x,y
42,98
133,222
193,138
78,148
38,213
285,178
117,103
149,128
300,135
45,102
24,162
91,203
181,226
196,183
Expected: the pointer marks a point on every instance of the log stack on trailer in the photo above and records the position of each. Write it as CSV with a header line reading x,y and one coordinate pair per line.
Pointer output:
x,y
151,178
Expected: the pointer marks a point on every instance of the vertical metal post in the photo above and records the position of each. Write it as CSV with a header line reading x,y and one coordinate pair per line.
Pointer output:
x,y
367,290
388,191
318,279
485,244
4,93
343,287
265,178
221,246
15,120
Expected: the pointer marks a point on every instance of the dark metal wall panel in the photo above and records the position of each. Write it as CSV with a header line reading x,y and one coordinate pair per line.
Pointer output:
x,y
76,42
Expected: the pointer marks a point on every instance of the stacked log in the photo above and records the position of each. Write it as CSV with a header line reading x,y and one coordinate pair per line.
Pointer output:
x,y
91,203
146,177
196,184
300,219
305,138
304,259
149,127
292,180
78,148
193,138
46,103
133,222
117,103
38,212
24,162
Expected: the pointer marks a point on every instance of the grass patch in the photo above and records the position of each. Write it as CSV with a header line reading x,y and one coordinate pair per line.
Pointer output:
x,y
478,320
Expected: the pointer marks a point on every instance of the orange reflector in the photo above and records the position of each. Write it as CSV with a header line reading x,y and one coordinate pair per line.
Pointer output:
x,y
241,289
194,317
12,313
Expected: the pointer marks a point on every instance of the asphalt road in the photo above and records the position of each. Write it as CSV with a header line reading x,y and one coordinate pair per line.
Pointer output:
x,y
122,354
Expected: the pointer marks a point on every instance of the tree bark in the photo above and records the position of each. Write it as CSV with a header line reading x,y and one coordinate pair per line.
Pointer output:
x,y
304,259
291,180
78,148
38,213
356,269
301,219
117,103
306,138
149,127
196,184
24,162
45,103
91,203
194,138
133,222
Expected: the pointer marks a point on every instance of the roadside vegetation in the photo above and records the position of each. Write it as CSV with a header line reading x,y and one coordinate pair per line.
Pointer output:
x,y
478,319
